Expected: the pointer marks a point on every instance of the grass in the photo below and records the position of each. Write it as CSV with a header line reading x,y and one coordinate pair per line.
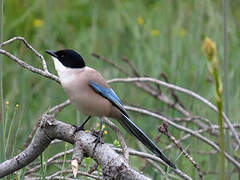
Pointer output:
x,y
168,40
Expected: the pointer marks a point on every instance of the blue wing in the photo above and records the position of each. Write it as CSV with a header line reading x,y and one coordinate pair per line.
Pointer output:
x,y
109,94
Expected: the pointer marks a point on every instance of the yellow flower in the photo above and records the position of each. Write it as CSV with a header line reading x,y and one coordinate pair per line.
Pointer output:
x,y
6,103
86,130
37,23
105,132
182,32
17,105
140,20
103,126
155,32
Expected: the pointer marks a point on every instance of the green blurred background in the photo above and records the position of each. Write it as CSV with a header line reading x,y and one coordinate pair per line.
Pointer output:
x,y
156,36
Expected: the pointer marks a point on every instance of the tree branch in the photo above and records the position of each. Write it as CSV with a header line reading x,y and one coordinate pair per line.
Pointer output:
x,y
44,64
29,67
112,164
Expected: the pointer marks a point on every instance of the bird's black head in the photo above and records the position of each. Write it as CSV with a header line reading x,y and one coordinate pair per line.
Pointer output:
x,y
68,58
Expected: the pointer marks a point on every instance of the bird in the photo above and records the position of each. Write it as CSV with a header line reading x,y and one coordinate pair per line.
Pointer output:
x,y
91,95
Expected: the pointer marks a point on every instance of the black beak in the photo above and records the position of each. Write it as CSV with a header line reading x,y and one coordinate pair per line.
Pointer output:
x,y
52,53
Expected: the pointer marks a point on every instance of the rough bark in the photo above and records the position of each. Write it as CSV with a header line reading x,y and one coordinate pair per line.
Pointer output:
x,y
113,165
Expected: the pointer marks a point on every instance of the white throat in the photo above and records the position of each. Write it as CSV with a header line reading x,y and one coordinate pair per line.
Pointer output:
x,y
60,68
65,74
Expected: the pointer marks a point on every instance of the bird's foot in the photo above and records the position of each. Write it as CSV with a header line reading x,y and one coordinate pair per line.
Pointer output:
x,y
78,128
98,139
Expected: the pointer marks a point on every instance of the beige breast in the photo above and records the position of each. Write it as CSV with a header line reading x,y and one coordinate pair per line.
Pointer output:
x,y
82,96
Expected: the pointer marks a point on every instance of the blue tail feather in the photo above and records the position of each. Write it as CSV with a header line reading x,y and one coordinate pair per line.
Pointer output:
x,y
132,128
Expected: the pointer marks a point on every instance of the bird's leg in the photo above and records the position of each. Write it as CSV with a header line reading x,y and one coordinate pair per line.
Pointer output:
x,y
78,128
99,136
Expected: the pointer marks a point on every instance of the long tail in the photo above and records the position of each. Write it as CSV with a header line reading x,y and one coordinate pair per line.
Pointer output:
x,y
132,128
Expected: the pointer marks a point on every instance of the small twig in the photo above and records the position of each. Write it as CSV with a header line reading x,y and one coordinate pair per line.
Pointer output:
x,y
120,137
58,108
44,64
29,67
110,62
144,166
183,138
164,129
175,97
135,71
190,119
